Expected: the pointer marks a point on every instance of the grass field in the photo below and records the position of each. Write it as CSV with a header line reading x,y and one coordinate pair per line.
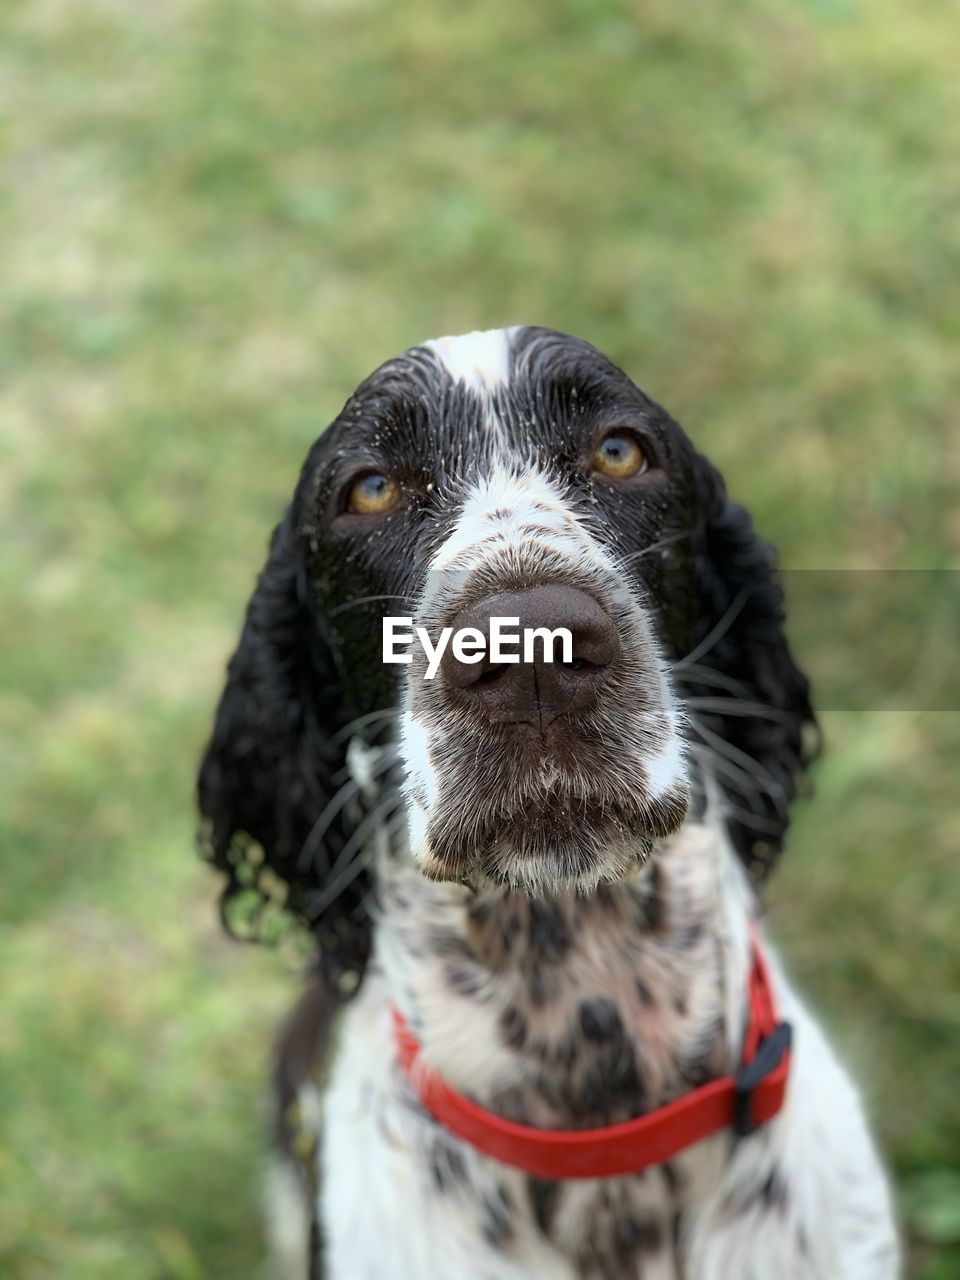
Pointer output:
x,y
215,218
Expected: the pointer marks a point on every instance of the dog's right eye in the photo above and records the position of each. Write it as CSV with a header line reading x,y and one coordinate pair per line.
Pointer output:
x,y
373,494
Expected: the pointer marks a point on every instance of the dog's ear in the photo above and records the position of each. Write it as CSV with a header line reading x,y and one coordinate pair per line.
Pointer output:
x,y
749,702
268,780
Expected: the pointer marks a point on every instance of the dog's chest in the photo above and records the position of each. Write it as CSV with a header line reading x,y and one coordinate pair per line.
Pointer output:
x,y
567,1014
403,1198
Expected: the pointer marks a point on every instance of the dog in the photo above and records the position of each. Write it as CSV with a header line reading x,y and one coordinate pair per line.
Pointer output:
x,y
533,884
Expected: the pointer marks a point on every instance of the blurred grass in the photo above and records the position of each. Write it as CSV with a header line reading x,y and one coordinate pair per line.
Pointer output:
x,y
217,217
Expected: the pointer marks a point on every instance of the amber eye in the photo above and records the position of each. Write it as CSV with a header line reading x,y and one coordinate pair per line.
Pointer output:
x,y
373,494
620,456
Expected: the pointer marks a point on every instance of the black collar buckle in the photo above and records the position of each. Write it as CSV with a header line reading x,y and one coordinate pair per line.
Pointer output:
x,y
770,1053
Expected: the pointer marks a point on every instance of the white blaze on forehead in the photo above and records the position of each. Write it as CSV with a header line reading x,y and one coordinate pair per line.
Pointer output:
x,y
518,504
480,360
502,503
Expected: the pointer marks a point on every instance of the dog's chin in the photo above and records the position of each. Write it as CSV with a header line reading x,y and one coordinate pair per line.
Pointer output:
x,y
543,851
575,861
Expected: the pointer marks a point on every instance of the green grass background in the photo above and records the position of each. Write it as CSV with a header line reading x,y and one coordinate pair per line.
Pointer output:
x,y
216,218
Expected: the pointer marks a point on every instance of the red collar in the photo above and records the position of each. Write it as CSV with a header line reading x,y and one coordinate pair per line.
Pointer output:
x,y
742,1102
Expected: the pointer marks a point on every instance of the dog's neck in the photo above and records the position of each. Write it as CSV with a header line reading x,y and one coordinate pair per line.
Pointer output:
x,y
576,1011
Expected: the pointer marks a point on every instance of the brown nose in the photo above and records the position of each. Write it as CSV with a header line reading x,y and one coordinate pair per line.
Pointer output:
x,y
534,692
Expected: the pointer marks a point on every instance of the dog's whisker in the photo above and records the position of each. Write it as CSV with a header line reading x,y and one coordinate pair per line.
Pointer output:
x,y
362,600
746,780
756,822
366,827
335,885
739,707
660,545
365,721
384,760
348,791
716,633
353,857
696,674
735,755
744,783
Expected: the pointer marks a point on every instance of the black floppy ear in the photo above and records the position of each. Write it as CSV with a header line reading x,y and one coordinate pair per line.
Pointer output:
x,y
749,702
268,773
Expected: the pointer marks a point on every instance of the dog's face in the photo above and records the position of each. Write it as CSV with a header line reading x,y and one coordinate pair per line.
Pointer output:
x,y
516,473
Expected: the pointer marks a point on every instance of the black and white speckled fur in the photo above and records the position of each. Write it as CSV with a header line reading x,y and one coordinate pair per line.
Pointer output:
x,y
569,947
640,996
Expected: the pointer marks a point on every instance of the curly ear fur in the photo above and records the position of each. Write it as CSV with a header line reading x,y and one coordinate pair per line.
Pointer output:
x,y
268,771
761,744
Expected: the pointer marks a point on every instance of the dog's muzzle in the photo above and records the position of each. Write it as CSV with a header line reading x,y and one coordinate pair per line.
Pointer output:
x,y
559,769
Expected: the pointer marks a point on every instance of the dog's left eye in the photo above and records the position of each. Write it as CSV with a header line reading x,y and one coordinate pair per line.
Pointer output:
x,y
620,456
373,494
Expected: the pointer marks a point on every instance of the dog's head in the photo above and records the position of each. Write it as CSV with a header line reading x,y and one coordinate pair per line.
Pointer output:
x,y
514,474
